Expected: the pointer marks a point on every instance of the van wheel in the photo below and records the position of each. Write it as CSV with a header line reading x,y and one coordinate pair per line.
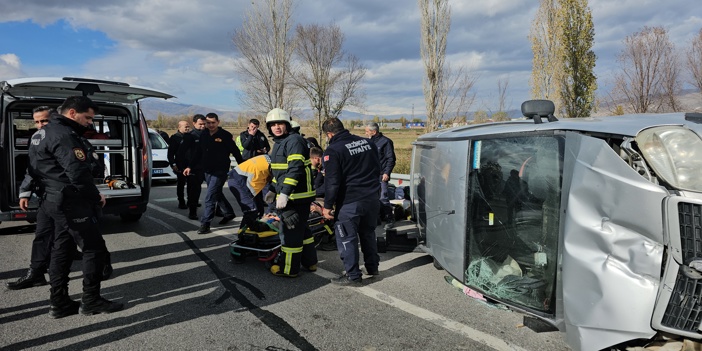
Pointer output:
x,y
437,265
130,217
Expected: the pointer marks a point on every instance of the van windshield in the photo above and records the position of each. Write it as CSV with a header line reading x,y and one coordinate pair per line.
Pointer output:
x,y
514,199
157,142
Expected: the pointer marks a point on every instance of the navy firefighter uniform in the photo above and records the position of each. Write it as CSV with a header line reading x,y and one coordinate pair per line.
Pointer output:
x,y
352,166
292,181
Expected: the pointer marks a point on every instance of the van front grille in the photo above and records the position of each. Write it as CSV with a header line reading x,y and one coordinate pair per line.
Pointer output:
x,y
160,164
684,310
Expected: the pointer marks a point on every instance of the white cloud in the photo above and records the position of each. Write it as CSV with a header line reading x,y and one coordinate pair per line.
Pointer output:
x,y
185,48
10,66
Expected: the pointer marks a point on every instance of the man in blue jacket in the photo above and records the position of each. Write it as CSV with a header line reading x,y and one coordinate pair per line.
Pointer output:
x,y
351,164
386,152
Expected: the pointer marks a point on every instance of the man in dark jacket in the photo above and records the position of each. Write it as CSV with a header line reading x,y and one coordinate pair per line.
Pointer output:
x,y
216,144
317,170
252,142
386,153
58,158
187,153
177,165
351,165
41,245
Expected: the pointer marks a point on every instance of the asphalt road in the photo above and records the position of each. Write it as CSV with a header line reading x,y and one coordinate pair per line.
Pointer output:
x,y
182,292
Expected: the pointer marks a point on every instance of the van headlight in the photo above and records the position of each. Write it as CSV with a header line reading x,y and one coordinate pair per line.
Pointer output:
x,y
675,154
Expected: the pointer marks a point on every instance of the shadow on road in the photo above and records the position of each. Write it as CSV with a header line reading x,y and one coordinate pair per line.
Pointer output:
x,y
217,287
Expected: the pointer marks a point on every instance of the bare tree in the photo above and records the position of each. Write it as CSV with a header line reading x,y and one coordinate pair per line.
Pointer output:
x,y
265,49
642,83
435,26
694,61
329,77
456,95
672,84
547,66
502,94
445,89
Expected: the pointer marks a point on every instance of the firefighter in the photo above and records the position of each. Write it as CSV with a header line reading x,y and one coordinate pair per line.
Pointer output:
x,y
292,192
352,166
59,159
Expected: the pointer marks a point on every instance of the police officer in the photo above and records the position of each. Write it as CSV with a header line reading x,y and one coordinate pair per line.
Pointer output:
x,y
177,165
386,153
352,166
188,154
41,245
252,142
58,158
292,192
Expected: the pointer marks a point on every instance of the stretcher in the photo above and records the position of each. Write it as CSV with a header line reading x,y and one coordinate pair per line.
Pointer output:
x,y
262,238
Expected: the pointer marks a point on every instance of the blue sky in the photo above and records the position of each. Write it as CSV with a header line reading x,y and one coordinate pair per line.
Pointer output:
x,y
184,48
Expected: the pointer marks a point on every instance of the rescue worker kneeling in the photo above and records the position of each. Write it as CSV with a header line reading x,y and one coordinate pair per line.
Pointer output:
x,y
291,190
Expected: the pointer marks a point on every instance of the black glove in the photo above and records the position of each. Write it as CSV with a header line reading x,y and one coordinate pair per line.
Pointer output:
x,y
290,218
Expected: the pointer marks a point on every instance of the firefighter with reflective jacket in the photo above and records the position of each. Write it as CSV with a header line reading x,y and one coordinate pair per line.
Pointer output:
x,y
59,159
292,192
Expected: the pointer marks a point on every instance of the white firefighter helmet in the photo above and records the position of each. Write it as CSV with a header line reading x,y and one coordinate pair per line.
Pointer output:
x,y
295,126
278,115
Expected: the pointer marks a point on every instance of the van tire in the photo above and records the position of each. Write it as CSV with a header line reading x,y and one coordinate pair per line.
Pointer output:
x,y
130,217
437,265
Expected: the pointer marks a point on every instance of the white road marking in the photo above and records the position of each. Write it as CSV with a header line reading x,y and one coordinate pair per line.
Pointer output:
x,y
429,316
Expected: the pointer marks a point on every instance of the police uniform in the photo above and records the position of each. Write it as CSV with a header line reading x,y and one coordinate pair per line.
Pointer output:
x,y
188,153
60,161
174,144
41,245
250,144
386,152
292,176
351,167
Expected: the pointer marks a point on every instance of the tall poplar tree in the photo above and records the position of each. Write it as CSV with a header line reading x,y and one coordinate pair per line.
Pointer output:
x,y
562,37
577,35
545,43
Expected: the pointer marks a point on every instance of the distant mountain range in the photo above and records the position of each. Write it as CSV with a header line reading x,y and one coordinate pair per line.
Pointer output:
x,y
152,108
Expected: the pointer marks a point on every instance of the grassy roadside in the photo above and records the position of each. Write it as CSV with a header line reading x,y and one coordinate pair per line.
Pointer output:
x,y
402,139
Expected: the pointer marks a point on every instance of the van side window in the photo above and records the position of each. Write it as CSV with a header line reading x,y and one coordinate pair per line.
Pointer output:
x,y
514,198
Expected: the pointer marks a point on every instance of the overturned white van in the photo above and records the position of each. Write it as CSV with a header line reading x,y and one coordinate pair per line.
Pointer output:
x,y
121,140
592,225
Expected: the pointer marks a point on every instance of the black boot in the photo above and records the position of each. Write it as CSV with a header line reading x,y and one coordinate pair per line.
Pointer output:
x,y
182,205
32,278
248,219
61,304
107,269
193,213
92,303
